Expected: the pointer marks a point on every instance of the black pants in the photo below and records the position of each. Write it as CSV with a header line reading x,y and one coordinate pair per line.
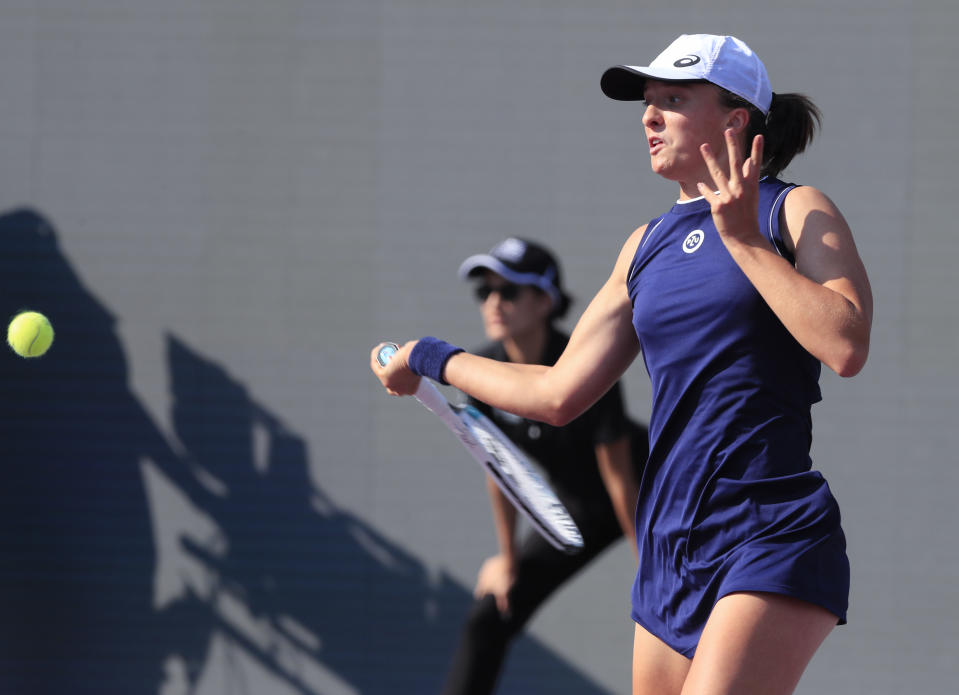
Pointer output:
x,y
541,569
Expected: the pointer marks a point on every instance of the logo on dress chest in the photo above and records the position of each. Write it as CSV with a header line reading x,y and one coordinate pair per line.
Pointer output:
x,y
693,241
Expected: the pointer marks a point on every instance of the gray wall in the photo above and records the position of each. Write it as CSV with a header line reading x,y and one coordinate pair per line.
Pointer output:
x,y
224,204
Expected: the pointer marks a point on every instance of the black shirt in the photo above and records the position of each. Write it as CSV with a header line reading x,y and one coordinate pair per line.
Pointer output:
x,y
567,454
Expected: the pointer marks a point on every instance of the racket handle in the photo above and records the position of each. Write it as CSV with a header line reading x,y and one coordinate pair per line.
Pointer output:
x,y
426,393
386,353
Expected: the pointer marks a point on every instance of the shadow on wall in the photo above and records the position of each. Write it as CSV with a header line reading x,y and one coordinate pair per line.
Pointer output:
x,y
212,565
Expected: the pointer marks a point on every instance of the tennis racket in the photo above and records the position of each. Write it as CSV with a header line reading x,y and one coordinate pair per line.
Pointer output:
x,y
511,470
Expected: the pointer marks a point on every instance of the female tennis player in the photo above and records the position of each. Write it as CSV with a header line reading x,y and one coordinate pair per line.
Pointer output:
x,y
736,295
593,463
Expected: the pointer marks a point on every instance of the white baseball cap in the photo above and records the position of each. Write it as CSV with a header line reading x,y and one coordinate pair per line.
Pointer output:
x,y
723,60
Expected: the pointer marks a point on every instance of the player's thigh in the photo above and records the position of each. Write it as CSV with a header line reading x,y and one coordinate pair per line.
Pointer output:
x,y
657,668
757,644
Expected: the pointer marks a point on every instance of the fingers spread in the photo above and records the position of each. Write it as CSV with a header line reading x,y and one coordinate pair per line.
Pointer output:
x,y
757,151
735,156
715,170
752,166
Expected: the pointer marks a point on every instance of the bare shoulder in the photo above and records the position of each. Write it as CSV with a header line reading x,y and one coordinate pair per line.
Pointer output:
x,y
627,253
632,242
809,214
823,245
805,198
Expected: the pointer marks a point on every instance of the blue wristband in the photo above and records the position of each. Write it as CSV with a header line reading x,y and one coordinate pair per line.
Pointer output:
x,y
429,356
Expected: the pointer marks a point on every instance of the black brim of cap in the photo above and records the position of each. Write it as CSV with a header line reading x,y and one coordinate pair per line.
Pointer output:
x,y
626,82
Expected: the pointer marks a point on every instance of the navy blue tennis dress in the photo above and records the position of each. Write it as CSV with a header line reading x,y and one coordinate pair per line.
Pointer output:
x,y
728,501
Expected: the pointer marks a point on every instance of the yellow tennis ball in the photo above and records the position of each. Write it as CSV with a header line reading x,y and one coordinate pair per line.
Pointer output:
x,y
30,334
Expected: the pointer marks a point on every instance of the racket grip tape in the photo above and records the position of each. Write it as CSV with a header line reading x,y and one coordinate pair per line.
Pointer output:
x,y
386,353
426,393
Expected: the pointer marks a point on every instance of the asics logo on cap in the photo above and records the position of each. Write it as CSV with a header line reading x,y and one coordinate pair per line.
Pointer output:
x,y
686,61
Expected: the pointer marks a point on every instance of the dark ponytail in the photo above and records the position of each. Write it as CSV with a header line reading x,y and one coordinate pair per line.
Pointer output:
x,y
788,129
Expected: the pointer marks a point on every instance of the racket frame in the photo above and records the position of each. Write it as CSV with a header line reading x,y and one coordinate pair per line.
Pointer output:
x,y
465,421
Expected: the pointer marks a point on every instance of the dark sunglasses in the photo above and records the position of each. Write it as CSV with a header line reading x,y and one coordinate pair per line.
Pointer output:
x,y
508,292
